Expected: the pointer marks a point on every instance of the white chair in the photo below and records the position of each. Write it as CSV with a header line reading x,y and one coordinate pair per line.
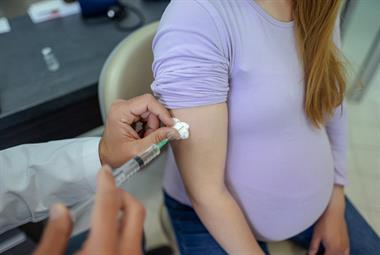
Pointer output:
x,y
127,73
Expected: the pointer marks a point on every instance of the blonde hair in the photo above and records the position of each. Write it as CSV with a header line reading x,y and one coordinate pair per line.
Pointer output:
x,y
325,78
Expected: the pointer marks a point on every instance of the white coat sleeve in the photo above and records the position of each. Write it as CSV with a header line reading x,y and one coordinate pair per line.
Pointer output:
x,y
34,176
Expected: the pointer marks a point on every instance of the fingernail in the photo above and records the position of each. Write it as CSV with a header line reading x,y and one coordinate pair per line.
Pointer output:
x,y
57,211
173,135
170,137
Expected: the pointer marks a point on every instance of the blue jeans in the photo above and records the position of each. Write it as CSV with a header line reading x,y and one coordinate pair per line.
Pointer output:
x,y
194,239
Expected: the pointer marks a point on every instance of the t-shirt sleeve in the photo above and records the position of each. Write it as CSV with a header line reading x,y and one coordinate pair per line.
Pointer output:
x,y
337,133
190,66
337,130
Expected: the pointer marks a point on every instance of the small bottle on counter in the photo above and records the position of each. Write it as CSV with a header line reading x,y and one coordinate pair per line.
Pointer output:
x,y
50,59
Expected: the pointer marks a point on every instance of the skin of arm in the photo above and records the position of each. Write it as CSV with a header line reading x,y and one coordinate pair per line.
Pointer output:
x,y
201,160
331,227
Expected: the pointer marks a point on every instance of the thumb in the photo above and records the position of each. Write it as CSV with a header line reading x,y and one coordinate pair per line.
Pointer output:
x,y
57,232
314,245
157,136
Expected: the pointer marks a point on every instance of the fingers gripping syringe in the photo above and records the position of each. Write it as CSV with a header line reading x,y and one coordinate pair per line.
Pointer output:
x,y
133,166
124,173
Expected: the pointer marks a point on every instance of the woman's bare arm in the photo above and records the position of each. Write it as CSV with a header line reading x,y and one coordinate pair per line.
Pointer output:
x,y
201,160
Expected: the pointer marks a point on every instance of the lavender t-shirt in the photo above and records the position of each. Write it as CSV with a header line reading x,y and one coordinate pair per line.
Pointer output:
x,y
279,168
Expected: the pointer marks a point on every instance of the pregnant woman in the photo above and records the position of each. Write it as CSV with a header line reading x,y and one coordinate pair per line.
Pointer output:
x,y
261,84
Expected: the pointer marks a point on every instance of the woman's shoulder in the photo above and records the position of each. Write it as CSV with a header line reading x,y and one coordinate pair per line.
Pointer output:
x,y
218,10
189,12
213,19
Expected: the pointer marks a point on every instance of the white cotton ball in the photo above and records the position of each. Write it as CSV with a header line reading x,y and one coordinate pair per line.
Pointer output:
x,y
182,128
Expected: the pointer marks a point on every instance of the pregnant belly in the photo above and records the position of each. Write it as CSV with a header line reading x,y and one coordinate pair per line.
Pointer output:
x,y
283,186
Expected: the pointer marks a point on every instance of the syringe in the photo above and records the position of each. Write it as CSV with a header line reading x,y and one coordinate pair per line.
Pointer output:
x,y
124,173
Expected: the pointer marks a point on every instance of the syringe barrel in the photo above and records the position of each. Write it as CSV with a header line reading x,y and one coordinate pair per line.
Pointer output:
x,y
123,173
149,154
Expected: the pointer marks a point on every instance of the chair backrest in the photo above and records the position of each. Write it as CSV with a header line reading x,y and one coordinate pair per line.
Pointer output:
x,y
127,72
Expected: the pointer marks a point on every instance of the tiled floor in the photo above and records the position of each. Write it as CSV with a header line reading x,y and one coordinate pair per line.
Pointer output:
x,y
364,121
364,163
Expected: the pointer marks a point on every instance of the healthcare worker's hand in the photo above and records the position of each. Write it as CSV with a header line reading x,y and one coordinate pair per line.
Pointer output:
x,y
331,228
116,224
121,140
